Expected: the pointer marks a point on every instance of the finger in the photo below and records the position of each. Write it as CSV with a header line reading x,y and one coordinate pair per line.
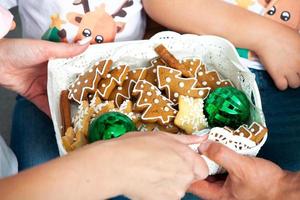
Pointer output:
x,y
13,25
42,103
281,82
65,50
293,80
188,139
200,167
224,156
206,190
130,135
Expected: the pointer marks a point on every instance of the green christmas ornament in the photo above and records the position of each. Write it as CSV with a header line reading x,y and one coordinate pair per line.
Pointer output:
x,y
227,106
110,125
52,35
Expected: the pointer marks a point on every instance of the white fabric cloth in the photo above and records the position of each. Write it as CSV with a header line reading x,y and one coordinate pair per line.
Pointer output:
x,y
8,160
36,16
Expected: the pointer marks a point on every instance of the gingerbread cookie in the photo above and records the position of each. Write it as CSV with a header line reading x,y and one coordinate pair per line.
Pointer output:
x,y
79,141
81,120
170,59
226,137
169,128
254,132
171,80
193,65
65,110
151,71
211,79
114,78
87,82
68,139
155,107
122,93
190,117
97,107
127,108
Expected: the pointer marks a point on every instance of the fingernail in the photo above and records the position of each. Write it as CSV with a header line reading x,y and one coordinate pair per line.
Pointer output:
x,y
202,132
201,137
84,41
204,146
204,135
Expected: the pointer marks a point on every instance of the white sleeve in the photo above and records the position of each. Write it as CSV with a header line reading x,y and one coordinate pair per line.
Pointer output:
x,y
8,3
8,160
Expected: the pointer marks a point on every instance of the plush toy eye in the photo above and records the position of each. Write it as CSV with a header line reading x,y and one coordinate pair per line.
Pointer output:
x,y
272,11
99,39
86,32
285,16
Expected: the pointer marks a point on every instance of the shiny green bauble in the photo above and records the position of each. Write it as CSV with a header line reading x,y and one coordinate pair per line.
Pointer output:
x,y
227,106
110,125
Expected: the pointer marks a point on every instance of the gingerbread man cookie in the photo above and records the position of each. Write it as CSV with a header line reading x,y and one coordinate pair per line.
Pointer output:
x,y
190,117
171,80
155,107
114,78
211,79
122,93
87,82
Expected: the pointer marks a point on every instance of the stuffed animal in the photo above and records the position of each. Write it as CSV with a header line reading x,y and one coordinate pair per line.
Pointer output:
x,y
286,12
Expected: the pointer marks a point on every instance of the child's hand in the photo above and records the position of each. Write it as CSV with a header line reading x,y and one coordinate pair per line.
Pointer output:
x,y
23,66
280,54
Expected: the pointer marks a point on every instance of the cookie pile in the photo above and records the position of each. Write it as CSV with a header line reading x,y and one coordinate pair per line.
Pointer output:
x,y
168,95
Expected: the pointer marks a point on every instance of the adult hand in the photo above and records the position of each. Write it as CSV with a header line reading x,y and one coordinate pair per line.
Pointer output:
x,y
139,165
156,166
248,177
23,66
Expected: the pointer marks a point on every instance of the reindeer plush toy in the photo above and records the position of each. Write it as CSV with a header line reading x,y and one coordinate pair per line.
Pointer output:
x,y
97,24
286,12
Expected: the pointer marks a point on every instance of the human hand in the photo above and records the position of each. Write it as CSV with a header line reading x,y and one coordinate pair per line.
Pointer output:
x,y
248,177
279,53
23,66
6,23
156,166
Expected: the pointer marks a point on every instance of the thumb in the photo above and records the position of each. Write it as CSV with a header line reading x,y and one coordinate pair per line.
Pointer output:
x,y
222,155
65,50
206,190
188,139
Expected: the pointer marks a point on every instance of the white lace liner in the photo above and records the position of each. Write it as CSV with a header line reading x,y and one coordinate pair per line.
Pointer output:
x,y
217,53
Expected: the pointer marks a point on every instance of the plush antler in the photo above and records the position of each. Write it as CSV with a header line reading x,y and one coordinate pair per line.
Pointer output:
x,y
85,4
121,12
